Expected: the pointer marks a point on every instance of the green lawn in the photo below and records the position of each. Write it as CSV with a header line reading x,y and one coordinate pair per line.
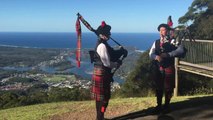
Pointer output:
x,y
37,112
59,78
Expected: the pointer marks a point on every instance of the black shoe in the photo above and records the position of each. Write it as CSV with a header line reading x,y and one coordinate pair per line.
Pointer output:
x,y
157,110
166,109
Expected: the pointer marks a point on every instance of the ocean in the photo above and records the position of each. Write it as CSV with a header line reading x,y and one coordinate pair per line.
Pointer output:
x,y
141,41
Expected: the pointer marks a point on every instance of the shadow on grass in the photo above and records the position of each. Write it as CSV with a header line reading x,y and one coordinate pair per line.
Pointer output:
x,y
186,109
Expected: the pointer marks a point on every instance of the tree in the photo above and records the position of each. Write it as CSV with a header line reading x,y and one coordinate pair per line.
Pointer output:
x,y
200,13
9,99
138,82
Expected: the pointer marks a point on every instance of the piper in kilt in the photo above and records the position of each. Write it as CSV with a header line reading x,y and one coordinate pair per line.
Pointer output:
x,y
102,76
163,52
101,83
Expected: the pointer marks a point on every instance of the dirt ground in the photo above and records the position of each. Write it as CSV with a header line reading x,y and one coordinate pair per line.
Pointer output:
x,y
90,114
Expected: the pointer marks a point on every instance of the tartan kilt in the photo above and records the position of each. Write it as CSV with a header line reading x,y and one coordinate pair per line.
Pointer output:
x,y
169,78
166,78
101,79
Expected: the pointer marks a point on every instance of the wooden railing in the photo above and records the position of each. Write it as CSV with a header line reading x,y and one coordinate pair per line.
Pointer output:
x,y
198,60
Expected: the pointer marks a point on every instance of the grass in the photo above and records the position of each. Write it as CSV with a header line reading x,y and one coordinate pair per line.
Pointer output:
x,y
59,78
82,109
39,111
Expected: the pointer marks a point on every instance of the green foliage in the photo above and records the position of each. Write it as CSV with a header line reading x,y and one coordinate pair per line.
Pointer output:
x,y
20,80
11,56
8,99
64,65
195,11
202,29
201,14
58,78
191,84
138,82
68,94
57,94
39,93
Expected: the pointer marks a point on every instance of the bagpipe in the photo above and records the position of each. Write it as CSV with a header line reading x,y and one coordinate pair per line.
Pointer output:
x,y
179,35
118,55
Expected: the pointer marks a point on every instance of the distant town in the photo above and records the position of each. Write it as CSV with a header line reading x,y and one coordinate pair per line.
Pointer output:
x,y
46,66
69,81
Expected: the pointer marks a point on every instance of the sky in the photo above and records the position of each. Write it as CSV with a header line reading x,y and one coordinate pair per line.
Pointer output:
x,y
134,16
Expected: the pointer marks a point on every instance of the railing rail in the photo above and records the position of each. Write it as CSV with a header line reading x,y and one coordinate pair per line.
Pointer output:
x,y
198,60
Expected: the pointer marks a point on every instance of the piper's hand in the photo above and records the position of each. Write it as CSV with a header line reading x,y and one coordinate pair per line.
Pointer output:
x,y
114,65
111,77
103,37
164,55
121,47
158,58
125,52
119,62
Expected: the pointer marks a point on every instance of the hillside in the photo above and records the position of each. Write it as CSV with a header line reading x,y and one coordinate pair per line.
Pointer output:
x,y
121,108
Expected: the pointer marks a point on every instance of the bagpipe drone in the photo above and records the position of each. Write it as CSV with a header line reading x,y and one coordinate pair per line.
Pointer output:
x,y
180,33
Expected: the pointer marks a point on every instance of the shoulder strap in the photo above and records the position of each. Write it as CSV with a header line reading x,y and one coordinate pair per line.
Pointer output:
x,y
157,44
94,56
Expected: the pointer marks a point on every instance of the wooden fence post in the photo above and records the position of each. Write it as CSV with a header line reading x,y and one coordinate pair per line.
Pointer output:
x,y
176,77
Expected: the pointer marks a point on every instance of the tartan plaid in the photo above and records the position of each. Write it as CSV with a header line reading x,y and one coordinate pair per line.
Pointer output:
x,y
100,89
169,78
78,50
166,79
